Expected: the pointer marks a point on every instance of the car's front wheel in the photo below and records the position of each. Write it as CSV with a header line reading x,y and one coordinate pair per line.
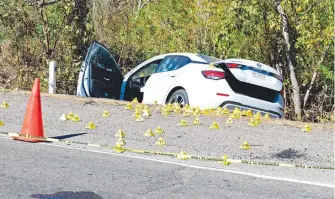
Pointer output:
x,y
179,96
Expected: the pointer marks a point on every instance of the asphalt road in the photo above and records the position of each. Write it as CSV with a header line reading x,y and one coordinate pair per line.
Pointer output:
x,y
45,171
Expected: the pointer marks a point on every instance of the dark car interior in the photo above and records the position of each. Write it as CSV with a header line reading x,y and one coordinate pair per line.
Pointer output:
x,y
138,80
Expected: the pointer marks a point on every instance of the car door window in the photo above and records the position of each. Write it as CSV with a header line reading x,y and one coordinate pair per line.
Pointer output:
x,y
103,76
170,63
103,63
147,70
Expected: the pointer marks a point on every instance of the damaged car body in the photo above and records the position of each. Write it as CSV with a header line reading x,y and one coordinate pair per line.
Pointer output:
x,y
185,78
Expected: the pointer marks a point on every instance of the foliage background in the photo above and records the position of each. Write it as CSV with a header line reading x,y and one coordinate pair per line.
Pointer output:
x,y
134,30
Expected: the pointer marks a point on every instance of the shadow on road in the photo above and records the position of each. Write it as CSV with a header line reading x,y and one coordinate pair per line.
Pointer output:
x,y
67,136
68,195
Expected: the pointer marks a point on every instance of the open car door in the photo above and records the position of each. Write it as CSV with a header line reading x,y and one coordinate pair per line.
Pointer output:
x,y
100,75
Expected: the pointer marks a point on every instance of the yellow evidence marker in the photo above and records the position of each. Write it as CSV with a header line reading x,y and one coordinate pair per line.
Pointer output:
x,y
248,113
225,111
160,142
139,119
139,107
229,121
214,125
166,112
245,145
186,113
218,111
137,113
118,148
186,107
258,116
129,106
196,112
169,107
1,123
75,118
196,121
120,133
4,105
70,115
146,112
149,133
177,110
267,116
224,160
235,115
176,105
90,125
120,141
307,128
159,130
105,113
254,122
182,122
183,156
237,110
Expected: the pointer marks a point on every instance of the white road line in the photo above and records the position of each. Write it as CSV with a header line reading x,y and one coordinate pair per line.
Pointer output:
x,y
195,166
200,167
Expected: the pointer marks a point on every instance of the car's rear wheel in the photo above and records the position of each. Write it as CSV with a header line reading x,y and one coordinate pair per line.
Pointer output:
x,y
179,96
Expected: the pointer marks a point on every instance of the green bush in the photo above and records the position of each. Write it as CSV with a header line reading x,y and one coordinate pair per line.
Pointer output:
x,y
31,36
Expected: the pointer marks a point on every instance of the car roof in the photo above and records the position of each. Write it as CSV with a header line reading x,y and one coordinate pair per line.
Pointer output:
x,y
208,59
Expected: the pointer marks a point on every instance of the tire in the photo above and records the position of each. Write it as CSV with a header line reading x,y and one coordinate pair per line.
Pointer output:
x,y
180,96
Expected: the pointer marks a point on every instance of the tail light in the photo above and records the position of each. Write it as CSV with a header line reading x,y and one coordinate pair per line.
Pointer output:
x,y
212,74
282,91
233,65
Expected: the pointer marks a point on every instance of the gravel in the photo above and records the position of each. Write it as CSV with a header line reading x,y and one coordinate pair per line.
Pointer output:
x,y
275,141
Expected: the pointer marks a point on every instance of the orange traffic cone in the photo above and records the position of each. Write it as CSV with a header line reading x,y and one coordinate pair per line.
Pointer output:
x,y
33,124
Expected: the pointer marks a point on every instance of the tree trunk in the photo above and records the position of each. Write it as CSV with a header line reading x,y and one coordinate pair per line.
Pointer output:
x,y
315,75
289,57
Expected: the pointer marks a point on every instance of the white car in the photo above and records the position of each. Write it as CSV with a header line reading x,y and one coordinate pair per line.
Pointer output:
x,y
186,78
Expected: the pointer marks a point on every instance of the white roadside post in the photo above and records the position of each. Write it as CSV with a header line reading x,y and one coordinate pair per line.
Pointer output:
x,y
52,77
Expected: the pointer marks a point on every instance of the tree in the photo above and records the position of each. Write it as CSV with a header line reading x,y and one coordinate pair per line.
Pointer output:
x,y
293,36
35,33
287,34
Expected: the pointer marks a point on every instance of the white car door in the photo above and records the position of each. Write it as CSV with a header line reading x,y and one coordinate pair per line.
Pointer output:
x,y
160,83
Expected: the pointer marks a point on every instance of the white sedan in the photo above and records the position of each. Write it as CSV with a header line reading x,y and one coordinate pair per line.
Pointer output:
x,y
186,78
